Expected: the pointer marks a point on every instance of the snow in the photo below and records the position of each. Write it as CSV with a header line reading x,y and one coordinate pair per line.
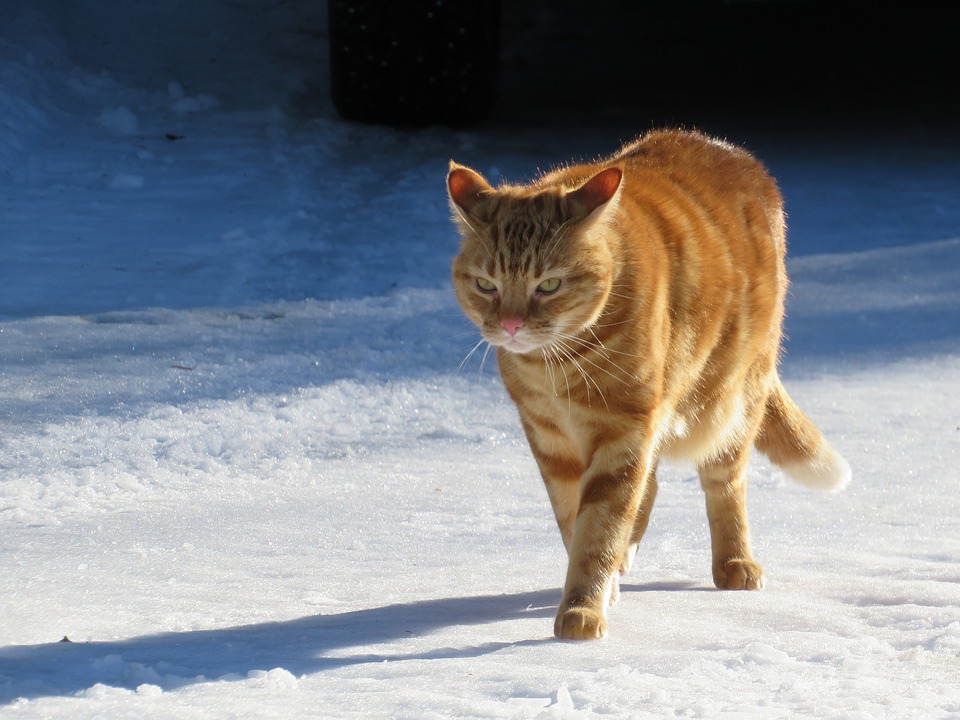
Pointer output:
x,y
241,472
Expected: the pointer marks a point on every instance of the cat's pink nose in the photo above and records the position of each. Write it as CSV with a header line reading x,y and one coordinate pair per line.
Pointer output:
x,y
511,325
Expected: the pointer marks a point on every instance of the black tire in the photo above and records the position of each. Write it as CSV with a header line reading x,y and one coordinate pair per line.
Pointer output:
x,y
417,62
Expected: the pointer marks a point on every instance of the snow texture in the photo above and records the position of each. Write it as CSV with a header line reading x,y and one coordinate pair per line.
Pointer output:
x,y
241,475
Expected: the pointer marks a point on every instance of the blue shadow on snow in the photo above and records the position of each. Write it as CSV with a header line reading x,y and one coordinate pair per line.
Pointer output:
x,y
301,646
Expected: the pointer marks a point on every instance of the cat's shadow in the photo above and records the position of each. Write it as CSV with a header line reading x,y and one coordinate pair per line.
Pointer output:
x,y
665,586
301,646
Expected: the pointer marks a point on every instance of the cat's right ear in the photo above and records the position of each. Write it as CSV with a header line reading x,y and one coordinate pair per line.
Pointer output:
x,y
598,190
466,187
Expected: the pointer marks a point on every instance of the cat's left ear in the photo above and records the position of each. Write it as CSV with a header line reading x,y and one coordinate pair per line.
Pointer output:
x,y
466,187
598,190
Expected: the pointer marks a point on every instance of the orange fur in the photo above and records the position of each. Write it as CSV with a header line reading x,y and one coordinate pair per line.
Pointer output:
x,y
661,338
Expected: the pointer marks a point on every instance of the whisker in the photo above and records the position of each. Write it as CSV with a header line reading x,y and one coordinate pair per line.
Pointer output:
x,y
604,370
621,296
566,380
483,359
600,343
600,367
606,325
572,356
467,223
568,354
463,334
598,347
557,237
548,364
469,355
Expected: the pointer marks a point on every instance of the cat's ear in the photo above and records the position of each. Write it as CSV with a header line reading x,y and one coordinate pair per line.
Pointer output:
x,y
597,191
466,187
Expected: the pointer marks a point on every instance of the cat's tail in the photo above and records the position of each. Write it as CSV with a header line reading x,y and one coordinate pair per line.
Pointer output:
x,y
793,442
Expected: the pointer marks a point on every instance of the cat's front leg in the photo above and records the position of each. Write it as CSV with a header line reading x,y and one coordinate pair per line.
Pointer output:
x,y
610,495
560,468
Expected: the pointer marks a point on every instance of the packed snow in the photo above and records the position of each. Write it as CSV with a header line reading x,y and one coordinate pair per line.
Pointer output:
x,y
245,471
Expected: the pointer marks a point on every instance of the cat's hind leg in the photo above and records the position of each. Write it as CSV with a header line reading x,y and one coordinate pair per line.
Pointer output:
x,y
724,482
639,528
640,524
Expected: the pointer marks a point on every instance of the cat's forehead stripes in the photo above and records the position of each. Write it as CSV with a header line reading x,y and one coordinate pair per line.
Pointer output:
x,y
520,230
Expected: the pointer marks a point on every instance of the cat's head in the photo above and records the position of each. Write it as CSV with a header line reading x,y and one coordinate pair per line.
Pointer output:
x,y
535,265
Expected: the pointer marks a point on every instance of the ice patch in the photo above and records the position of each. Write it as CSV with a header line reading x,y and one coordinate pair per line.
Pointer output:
x,y
563,708
763,654
529,704
99,691
276,679
113,673
949,641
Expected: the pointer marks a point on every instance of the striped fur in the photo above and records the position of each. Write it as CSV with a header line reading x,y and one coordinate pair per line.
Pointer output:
x,y
661,339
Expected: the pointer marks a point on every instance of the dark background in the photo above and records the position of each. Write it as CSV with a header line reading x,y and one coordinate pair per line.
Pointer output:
x,y
678,63
692,57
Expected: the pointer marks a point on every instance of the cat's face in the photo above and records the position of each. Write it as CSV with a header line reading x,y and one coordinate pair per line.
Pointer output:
x,y
534,268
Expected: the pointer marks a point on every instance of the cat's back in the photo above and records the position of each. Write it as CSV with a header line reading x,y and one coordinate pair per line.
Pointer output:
x,y
672,148
701,162
663,164
712,199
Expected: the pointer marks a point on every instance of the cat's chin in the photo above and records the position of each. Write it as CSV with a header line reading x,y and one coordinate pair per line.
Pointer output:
x,y
518,346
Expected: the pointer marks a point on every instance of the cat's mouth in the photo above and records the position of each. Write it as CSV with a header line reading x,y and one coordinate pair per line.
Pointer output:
x,y
520,346
520,343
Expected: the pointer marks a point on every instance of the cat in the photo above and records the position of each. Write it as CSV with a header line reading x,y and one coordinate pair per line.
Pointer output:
x,y
636,307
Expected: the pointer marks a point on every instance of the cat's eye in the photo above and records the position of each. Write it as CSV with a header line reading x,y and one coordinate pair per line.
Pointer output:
x,y
549,286
486,286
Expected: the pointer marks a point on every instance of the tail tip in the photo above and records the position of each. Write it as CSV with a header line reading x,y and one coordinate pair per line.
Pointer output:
x,y
828,470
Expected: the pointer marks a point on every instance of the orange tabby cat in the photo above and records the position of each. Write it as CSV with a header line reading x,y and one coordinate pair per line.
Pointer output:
x,y
636,306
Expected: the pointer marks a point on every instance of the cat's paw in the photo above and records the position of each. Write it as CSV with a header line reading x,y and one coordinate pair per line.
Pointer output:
x,y
738,574
580,623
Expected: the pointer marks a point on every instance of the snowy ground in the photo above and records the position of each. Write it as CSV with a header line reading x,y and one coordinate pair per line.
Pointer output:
x,y
240,471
